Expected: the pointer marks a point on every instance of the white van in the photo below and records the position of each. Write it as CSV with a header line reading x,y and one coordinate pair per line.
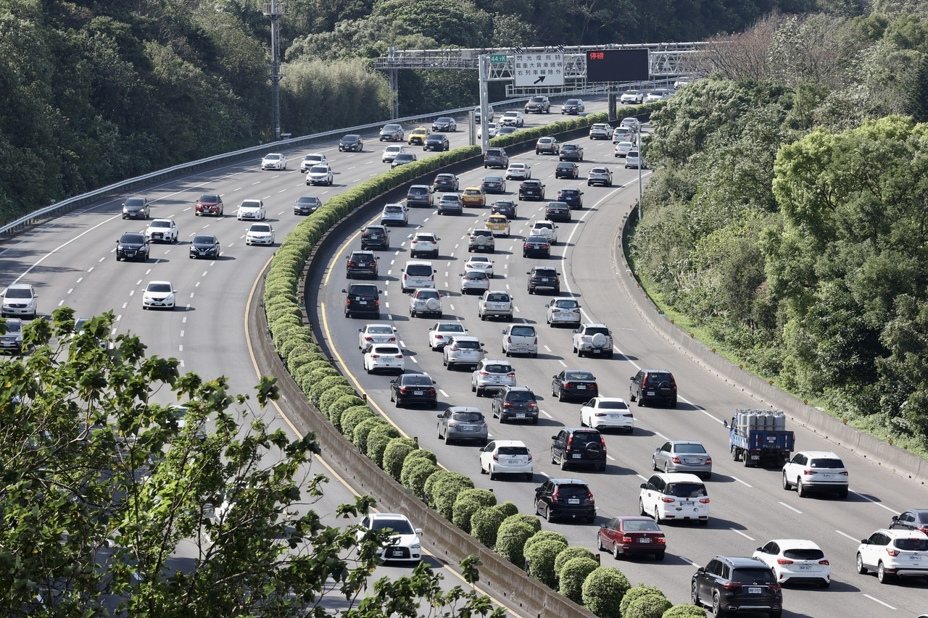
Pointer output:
x,y
417,274
520,339
674,496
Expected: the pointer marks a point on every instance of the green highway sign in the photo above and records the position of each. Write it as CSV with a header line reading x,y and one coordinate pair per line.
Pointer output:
x,y
498,58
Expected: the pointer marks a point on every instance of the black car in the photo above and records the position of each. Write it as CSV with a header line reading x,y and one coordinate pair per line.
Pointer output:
x,y
419,195
437,142
536,246
565,498
504,207
204,246
493,184
515,403
531,189
653,386
362,299
445,123
414,389
543,278
567,169
136,208
496,157
132,246
571,152
306,205
558,211
731,584
578,446
572,197
573,106
445,182
351,143
375,237
361,264
574,384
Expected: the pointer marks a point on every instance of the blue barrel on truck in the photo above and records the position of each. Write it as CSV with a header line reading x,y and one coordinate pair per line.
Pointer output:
x,y
760,437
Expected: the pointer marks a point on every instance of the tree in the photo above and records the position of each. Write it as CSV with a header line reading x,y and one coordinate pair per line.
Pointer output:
x,y
917,103
102,486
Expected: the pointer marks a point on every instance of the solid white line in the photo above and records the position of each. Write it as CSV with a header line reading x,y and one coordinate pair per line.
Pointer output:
x,y
742,534
641,477
874,599
610,457
443,393
792,508
546,414
869,499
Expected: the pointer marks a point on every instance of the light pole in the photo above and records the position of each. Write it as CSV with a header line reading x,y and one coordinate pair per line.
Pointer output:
x,y
272,10
640,164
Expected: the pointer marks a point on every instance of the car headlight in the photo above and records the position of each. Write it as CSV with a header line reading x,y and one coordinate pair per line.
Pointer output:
x,y
415,546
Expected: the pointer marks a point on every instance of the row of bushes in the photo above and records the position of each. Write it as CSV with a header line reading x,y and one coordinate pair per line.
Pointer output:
x,y
574,571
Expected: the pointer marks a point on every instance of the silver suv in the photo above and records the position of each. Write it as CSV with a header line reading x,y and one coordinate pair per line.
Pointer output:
x,y
491,374
563,311
495,304
462,350
593,339
481,240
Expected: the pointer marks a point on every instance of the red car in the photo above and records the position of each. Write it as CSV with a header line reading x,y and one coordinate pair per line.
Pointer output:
x,y
632,536
209,204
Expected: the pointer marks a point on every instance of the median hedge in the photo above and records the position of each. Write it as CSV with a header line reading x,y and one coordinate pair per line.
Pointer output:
x,y
511,537
640,590
604,592
573,574
685,611
416,473
540,556
393,454
648,606
467,503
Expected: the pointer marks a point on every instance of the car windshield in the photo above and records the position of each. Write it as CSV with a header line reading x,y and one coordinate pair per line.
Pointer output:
x,y
912,544
351,138
205,240
826,463
512,450
571,101
400,526
404,156
444,119
135,201
498,298
803,554
467,417
760,575
522,331
260,227
498,368
417,380
13,327
159,287
690,448
686,490
308,200
134,239
272,157
392,127
450,328
641,525
467,345
251,204
161,224
380,330
612,405
318,169
209,199
921,517
578,375
538,99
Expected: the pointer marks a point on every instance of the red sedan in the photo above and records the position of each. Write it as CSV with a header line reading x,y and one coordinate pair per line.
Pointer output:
x,y
632,536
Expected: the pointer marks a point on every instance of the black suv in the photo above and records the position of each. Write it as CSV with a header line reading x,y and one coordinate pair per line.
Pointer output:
x,y
573,198
351,143
731,584
531,189
375,237
445,183
543,278
653,386
574,446
567,169
437,142
565,498
515,402
362,299
558,211
538,105
132,246
571,152
419,195
361,264
504,207
496,157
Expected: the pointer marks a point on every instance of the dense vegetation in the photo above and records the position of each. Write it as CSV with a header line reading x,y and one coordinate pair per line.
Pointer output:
x,y
787,222
99,91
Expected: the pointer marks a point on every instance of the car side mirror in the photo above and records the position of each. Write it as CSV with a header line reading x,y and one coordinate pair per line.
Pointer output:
x,y
392,381
554,437
439,416
895,518
725,423
701,570
344,291
434,382
643,486
419,531
360,330
865,541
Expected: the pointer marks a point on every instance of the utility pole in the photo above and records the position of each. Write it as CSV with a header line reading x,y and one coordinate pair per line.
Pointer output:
x,y
273,11
483,65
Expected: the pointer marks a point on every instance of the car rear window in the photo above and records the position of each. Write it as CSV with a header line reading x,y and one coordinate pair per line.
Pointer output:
x,y
520,396
363,291
414,380
426,294
826,463
380,330
613,405
750,575
686,490
690,448
386,349
804,554
400,526
419,270
565,304
451,328
643,525
585,437
417,191
546,272
912,544
498,368
393,209
498,298
467,417
522,331
512,450
573,491
467,345
579,375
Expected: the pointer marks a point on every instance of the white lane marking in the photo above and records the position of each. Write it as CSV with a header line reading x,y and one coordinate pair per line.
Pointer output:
x,y
90,270
610,457
402,343
60,302
131,292
100,260
656,433
204,273
191,295
118,318
125,304
146,272
452,306
196,285
413,359
563,364
79,279
713,417
742,482
742,534
848,536
792,508
181,333
547,349
70,290
869,499
875,600
443,393
180,348
546,414
641,477
184,320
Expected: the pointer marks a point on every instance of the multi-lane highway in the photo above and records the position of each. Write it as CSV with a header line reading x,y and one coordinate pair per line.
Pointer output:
x,y
749,507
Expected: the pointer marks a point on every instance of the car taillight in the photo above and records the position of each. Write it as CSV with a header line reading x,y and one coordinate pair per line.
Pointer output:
x,y
484,374
495,457
397,356
375,355
532,405
668,499
589,495
774,587
675,459
556,495
660,540
808,471
439,336
391,339
892,552
704,501
352,264
368,338
570,441
507,405
784,561
511,374
528,457
602,443
568,385
403,390
708,460
731,586
824,562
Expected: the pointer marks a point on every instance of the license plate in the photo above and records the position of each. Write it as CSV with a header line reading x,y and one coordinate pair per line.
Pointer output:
x,y
573,501
417,392
576,455
754,590
581,387
644,539
362,302
805,567
520,415
687,503
651,393
692,461
396,553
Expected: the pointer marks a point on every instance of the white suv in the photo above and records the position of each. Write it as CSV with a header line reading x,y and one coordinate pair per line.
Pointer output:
x,y
495,304
674,496
520,339
19,299
811,471
506,457
462,350
424,244
593,339
162,230
795,559
492,373
390,152
894,553
564,311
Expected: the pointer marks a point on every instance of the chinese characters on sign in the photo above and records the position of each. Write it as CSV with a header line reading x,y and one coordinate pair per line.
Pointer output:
x,y
539,69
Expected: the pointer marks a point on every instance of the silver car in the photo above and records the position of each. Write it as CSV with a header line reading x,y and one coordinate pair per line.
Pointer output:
x,y
462,350
683,456
12,338
393,214
474,281
462,423
490,374
563,311
599,176
495,304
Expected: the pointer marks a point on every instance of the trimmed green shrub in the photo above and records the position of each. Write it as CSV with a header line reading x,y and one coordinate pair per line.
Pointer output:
x,y
332,395
539,558
511,538
416,475
545,535
442,474
378,440
508,508
574,551
685,611
648,606
531,520
340,405
325,384
420,452
572,575
391,453
485,523
362,431
638,591
603,591
445,491
467,502
354,415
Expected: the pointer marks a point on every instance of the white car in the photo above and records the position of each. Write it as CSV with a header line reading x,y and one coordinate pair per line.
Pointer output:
x,y
260,234
462,350
481,263
384,357
495,304
390,152
251,209
12,337
403,546
810,471
563,311
506,457
600,130
375,333
519,171
607,413
623,134
492,130
162,230
492,373
320,175
424,244
19,299
634,160
393,214
592,339
599,176
520,339
310,160
653,97
159,295
274,161
545,229
631,123
623,148
425,301
632,96
674,496
474,281
513,118
441,332
795,559
894,553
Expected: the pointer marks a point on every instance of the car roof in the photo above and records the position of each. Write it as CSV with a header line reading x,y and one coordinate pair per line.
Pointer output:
x,y
795,543
387,345
897,533
163,282
491,361
686,442
679,477
387,516
466,337
819,454
510,442
742,561
378,324
567,481
594,325
609,399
